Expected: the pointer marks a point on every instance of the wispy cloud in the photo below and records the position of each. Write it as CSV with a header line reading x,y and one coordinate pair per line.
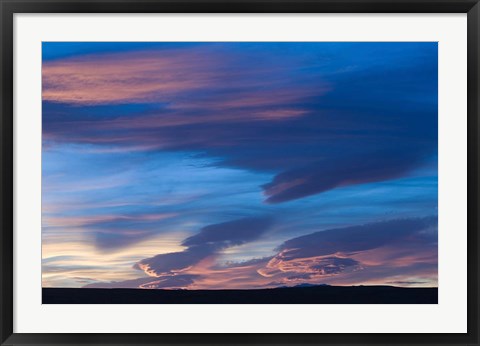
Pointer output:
x,y
84,220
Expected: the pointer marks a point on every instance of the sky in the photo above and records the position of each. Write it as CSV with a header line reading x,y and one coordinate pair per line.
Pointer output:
x,y
239,165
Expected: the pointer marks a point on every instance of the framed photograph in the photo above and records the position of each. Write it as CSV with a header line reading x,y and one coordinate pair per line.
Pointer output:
x,y
236,173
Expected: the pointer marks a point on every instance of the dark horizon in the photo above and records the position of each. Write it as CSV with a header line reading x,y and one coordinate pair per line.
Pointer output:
x,y
236,289
279,295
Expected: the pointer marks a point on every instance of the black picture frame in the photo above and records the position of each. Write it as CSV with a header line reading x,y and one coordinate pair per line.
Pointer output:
x,y
9,8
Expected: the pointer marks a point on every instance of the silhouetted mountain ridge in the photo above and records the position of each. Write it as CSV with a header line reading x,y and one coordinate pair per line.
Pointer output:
x,y
316,294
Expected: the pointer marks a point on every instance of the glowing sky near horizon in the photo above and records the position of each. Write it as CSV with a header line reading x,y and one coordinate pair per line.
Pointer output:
x,y
239,165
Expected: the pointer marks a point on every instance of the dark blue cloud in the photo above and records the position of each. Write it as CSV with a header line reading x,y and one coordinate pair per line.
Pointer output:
x,y
230,233
360,238
165,264
207,242
327,174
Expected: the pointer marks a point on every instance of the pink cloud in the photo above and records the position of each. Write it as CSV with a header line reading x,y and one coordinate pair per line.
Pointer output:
x,y
396,252
126,77
199,85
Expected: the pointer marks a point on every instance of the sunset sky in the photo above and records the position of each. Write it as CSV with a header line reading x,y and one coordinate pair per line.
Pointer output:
x,y
239,165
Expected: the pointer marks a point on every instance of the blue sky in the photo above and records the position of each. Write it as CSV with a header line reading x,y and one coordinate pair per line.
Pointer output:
x,y
198,165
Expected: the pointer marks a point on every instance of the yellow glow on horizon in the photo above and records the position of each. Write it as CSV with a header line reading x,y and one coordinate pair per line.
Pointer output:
x,y
110,265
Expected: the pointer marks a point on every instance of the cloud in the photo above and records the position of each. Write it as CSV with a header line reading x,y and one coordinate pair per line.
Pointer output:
x,y
170,282
332,173
210,240
187,76
359,238
175,262
246,263
374,249
110,231
182,270
401,252
315,267
332,116
87,220
230,233
124,78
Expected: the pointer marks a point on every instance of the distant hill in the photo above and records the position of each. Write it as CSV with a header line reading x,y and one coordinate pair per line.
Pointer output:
x,y
323,294
306,284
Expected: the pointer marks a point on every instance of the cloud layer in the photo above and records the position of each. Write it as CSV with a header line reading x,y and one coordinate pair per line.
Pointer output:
x,y
395,250
289,116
